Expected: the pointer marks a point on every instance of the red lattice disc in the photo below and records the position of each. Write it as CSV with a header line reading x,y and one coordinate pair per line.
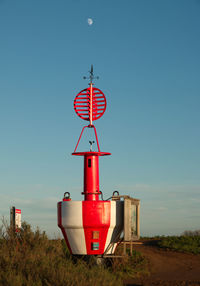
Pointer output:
x,y
90,107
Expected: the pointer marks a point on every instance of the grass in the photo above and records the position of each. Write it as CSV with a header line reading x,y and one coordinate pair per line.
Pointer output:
x,y
183,243
188,242
30,258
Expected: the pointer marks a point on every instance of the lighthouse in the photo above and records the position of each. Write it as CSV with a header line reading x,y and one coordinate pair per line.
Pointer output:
x,y
95,226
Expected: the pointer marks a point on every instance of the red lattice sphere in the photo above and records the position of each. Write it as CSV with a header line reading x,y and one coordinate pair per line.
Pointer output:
x,y
83,103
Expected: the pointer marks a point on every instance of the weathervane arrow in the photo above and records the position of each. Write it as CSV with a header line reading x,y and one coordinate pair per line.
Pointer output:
x,y
91,77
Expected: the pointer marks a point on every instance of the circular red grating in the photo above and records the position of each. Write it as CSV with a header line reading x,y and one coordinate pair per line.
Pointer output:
x,y
83,104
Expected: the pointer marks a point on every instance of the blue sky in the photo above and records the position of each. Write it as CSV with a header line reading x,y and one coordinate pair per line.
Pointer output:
x,y
146,54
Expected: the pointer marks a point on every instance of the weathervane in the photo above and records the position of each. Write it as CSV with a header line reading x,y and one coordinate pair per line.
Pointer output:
x,y
90,104
91,77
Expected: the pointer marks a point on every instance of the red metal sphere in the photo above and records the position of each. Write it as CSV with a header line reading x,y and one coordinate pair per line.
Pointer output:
x,y
90,107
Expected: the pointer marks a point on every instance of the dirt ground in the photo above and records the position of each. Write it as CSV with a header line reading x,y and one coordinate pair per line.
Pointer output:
x,y
168,268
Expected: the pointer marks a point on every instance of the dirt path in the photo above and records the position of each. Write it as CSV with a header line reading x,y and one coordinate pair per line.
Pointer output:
x,y
169,268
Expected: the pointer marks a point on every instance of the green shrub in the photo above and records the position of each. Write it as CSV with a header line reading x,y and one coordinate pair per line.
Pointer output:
x,y
30,258
190,244
131,266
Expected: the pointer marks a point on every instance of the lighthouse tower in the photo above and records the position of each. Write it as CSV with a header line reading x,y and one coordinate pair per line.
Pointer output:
x,y
92,226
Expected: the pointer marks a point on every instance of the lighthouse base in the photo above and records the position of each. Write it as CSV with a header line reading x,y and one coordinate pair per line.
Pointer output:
x,y
91,227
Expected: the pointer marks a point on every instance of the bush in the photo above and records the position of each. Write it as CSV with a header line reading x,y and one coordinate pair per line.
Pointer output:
x,y
30,258
130,265
191,233
184,243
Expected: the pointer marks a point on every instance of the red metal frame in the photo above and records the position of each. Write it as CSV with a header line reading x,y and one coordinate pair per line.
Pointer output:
x,y
91,168
95,131
90,104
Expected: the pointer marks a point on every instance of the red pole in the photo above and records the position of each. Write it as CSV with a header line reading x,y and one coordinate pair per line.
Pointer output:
x,y
91,104
91,177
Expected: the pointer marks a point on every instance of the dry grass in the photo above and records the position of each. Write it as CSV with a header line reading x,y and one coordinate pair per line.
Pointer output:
x,y
30,258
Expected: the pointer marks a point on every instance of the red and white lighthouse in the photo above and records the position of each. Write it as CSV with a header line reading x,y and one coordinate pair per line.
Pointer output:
x,y
92,226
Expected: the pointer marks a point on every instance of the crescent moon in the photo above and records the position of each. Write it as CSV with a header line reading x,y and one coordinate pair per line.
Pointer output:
x,y
90,21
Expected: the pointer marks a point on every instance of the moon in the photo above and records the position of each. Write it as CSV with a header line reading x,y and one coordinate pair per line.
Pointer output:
x,y
90,21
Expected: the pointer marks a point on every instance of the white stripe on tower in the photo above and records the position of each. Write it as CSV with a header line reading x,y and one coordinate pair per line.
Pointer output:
x,y
72,222
116,226
112,223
